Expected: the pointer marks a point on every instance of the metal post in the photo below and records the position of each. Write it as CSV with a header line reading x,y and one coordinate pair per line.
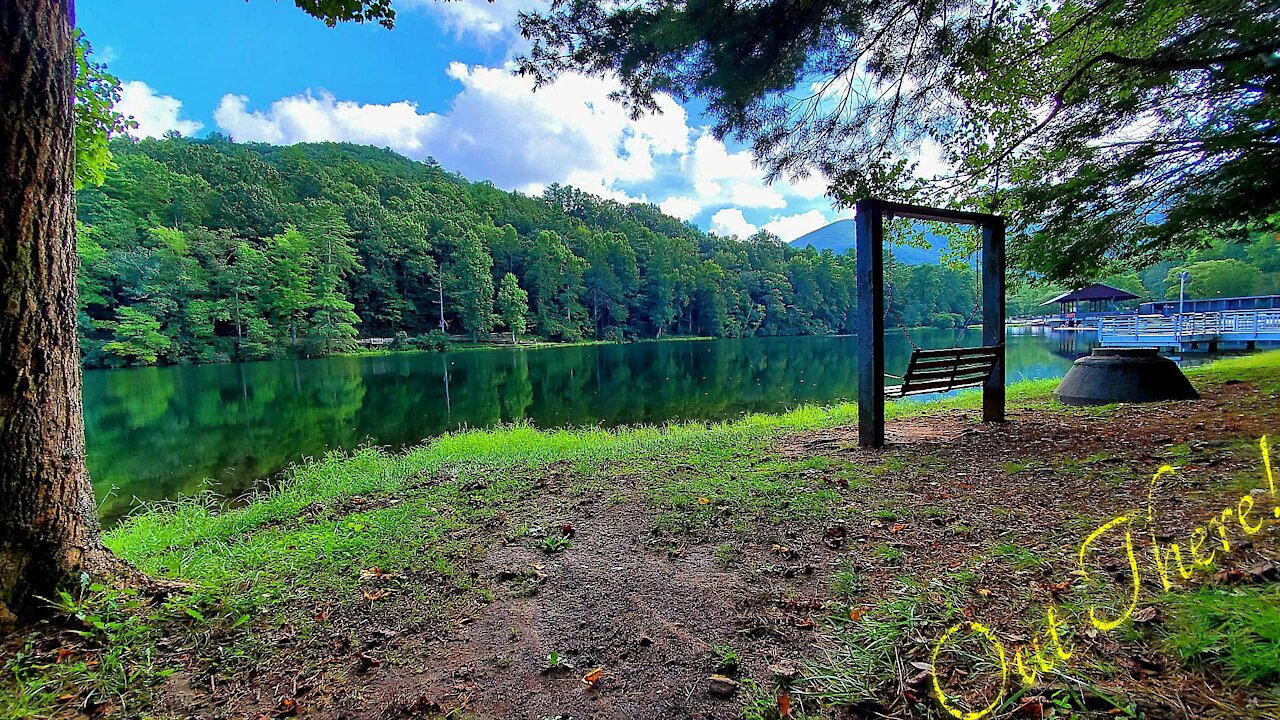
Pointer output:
x,y
869,222
1182,296
993,306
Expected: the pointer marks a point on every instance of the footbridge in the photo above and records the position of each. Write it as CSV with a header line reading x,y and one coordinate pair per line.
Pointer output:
x,y
1193,332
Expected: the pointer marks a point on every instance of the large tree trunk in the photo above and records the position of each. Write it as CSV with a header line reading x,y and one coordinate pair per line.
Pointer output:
x,y
48,520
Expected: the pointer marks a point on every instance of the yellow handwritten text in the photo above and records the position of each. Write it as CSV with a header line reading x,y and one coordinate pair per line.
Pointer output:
x,y
1202,546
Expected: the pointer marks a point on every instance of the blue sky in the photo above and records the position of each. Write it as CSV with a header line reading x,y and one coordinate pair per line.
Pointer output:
x,y
438,85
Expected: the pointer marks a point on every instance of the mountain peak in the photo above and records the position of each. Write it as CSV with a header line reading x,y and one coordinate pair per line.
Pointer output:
x,y
841,237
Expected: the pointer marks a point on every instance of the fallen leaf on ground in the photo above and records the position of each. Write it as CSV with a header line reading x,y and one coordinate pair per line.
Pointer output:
x,y
855,614
374,573
594,676
375,596
784,704
704,501
1145,615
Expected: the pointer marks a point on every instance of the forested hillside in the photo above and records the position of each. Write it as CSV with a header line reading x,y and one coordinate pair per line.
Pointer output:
x,y
208,250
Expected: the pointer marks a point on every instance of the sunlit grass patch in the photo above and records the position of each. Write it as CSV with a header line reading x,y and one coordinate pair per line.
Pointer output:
x,y
1019,558
847,583
860,658
888,554
1234,629
733,480
1258,368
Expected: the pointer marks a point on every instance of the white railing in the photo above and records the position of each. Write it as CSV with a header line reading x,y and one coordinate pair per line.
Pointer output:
x,y
1188,327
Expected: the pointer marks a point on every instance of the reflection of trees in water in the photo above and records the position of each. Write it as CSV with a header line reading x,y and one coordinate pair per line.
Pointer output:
x,y
155,432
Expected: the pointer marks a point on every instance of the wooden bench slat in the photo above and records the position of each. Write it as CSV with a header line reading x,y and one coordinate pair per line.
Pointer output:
x,y
961,376
956,352
983,362
942,370
932,387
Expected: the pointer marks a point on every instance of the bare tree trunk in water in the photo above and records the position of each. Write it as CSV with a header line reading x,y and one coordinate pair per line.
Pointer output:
x,y
48,521
440,302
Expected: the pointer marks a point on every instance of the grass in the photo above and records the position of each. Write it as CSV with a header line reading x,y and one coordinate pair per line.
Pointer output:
x,y
314,538
552,544
887,554
726,555
724,659
1018,558
1236,630
861,657
847,583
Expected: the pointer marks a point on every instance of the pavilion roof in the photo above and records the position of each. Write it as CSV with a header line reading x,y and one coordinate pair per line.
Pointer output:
x,y
1096,291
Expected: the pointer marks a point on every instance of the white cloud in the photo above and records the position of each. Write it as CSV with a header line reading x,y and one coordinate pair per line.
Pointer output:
x,y
811,188
730,221
497,129
756,196
723,177
928,159
155,114
312,118
790,227
680,206
478,18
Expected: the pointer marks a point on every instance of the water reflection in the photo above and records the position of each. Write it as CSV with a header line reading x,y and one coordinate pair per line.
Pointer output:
x,y
157,432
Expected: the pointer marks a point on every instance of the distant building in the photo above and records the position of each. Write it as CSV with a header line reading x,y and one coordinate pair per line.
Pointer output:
x,y
1170,307
1088,302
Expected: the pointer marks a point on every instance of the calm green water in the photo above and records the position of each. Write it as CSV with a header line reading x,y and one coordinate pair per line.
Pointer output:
x,y
159,432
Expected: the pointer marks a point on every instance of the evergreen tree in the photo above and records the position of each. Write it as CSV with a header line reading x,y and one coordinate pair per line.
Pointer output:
x,y
137,336
473,285
513,306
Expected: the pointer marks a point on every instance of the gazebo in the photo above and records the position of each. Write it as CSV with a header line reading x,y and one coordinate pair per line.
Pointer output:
x,y
1092,300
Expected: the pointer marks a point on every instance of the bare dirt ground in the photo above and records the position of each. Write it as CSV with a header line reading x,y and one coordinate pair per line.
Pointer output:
x,y
645,606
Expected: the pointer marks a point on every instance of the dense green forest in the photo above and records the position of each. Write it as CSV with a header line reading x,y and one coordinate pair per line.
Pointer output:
x,y
208,250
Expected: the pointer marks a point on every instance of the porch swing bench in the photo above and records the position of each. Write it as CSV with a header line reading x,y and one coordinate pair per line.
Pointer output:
x,y
933,371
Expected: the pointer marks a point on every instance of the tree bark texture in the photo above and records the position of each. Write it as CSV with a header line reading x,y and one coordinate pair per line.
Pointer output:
x,y
48,520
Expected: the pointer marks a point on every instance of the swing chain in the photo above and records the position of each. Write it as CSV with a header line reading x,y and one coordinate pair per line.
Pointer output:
x,y
889,306
977,300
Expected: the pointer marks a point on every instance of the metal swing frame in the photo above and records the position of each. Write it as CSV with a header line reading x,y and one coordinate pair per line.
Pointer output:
x,y
870,216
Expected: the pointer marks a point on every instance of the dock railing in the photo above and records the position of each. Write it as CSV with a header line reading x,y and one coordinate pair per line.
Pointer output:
x,y
1175,330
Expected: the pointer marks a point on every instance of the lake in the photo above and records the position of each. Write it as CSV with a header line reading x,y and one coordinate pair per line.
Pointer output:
x,y
158,432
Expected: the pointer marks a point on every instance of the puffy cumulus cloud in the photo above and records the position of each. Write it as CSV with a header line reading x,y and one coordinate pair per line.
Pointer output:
x,y
812,187
155,114
730,221
790,227
319,117
721,176
500,130
680,206
928,159
478,18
